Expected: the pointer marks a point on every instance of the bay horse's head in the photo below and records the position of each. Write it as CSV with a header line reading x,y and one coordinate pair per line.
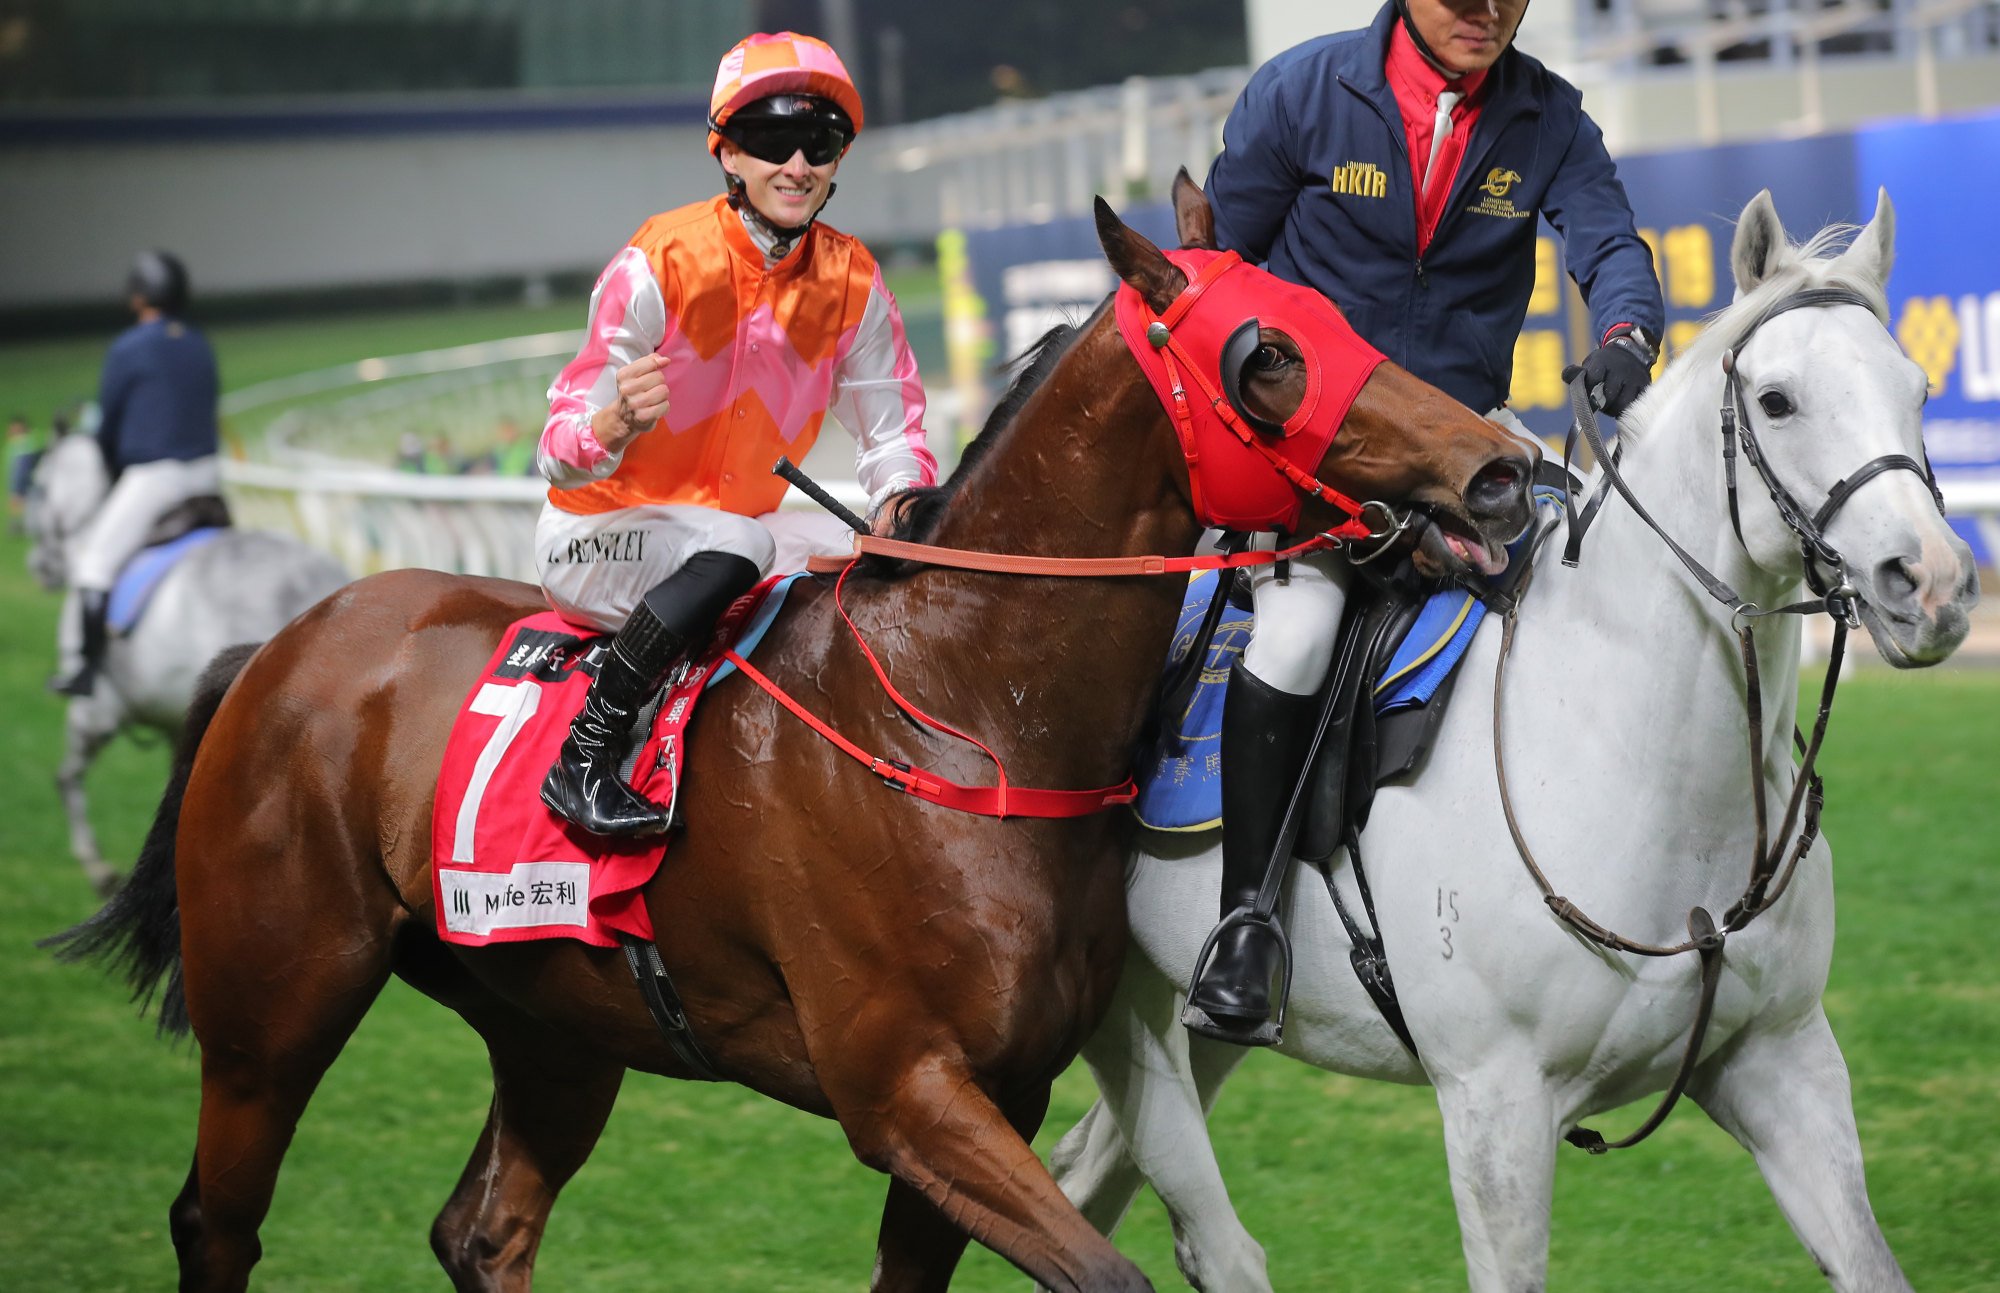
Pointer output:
x,y
1302,397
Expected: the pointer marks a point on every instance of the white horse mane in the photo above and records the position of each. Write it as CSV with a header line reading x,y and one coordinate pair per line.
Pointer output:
x,y
1816,262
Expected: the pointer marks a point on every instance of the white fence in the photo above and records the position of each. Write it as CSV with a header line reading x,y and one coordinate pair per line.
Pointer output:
x,y
325,470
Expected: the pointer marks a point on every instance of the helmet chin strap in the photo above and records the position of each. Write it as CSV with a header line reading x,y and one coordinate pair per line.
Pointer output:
x,y
1423,46
784,234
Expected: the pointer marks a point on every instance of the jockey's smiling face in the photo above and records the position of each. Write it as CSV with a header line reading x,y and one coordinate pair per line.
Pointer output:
x,y
786,193
1467,35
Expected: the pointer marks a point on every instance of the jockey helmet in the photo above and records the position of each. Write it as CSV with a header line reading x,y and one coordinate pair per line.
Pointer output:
x,y
160,280
773,90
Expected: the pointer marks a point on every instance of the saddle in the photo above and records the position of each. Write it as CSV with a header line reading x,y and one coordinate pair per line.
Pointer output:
x,y
505,868
202,512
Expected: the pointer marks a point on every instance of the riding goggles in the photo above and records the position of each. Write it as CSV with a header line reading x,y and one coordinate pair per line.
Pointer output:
x,y
776,140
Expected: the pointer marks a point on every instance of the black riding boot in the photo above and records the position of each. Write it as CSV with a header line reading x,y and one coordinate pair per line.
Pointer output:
x,y
585,787
94,606
1266,735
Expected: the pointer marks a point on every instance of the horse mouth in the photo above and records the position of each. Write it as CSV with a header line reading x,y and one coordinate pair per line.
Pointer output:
x,y
1448,545
1907,642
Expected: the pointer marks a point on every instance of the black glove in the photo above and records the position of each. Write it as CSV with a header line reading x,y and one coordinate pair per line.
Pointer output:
x,y
1616,371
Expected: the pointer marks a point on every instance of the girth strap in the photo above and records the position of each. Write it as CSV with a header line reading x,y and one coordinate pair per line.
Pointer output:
x,y
664,1005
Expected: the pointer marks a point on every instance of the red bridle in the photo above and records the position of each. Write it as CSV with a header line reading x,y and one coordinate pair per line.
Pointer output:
x,y
1243,478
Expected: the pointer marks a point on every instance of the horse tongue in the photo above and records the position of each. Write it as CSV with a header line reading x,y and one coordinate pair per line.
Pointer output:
x,y
1487,558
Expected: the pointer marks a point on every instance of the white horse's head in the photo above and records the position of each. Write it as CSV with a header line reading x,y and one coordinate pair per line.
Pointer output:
x,y
69,483
1826,390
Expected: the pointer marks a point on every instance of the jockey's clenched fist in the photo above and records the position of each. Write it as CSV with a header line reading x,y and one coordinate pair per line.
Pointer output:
x,y
642,401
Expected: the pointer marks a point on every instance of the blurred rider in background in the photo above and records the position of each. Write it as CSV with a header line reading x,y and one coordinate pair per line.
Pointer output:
x,y
718,340
1399,170
158,433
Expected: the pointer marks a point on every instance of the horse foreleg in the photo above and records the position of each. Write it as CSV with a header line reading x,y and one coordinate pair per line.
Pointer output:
x,y
551,1099
1151,1126
86,733
929,1123
1785,1097
1500,1137
919,1246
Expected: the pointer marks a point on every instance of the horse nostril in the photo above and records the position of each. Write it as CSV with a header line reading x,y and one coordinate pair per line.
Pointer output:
x,y
1898,579
1499,486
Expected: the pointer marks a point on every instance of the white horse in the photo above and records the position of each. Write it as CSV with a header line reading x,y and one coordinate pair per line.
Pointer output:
x,y
1628,762
241,587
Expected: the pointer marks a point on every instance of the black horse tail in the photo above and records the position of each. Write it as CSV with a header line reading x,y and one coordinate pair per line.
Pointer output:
x,y
138,932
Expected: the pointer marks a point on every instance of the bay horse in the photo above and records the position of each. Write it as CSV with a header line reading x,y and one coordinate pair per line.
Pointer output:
x,y
1630,775
918,974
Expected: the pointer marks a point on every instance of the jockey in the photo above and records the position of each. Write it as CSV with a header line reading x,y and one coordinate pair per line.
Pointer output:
x,y
157,428
719,339
1398,170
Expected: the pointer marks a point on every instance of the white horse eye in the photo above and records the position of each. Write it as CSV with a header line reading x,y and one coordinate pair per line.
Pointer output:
x,y
1774,403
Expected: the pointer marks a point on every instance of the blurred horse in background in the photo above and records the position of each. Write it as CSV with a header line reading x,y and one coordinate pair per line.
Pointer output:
x,y
243,586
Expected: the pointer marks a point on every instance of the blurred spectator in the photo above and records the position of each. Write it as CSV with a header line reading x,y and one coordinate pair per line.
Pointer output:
x,y
20,456
410,452
514,454
440,460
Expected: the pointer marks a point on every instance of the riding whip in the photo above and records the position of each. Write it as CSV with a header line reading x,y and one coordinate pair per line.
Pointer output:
x,y
813,490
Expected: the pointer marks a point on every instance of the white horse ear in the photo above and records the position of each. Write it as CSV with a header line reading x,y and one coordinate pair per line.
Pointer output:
x,y
1760,243
1873,253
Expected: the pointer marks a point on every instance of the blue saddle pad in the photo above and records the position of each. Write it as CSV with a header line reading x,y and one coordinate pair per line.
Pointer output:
x,y
1182,790
143,573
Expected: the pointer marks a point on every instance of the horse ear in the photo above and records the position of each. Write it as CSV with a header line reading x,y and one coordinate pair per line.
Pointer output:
x,y
1194,219
1137,260
1873,253
1760,243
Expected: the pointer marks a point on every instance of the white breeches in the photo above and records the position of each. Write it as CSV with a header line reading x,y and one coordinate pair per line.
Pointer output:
x,y
142,496
1291,644
595,567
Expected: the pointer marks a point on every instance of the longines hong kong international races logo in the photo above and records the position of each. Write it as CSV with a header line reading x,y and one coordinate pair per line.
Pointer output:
x,y
1360,179
1928,332
1500,182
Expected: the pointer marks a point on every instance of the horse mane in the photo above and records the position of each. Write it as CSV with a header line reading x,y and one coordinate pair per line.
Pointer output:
x,y
1816,262
926,507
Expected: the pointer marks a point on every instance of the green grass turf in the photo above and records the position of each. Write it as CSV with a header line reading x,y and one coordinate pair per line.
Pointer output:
x,y
713,1188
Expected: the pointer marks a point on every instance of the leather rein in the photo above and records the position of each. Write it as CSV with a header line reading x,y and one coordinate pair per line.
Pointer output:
x,y
1772,863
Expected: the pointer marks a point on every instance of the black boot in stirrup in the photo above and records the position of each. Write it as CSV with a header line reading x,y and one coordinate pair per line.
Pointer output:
x,y
1266,735
95,607
585,787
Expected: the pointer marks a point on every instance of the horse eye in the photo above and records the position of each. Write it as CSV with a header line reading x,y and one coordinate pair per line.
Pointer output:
x,y
1774,404
1268,359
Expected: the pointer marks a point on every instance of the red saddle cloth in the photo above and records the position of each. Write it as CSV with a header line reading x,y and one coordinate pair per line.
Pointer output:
x,y
504,868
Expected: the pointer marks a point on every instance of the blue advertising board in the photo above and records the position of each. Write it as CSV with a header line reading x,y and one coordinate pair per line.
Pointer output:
x,y
1944,177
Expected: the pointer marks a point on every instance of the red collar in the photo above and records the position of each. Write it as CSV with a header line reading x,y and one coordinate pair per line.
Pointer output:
x,y
1416,83
1244,479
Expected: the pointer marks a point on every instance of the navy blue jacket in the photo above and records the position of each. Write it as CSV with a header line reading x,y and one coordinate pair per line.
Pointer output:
x,y
156,397
1322,117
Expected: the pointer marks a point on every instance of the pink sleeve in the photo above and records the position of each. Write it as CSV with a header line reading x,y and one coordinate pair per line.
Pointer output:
x,y
880,400
627,320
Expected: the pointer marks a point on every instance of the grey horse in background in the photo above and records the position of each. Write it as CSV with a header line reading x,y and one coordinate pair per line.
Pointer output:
x,y
241,587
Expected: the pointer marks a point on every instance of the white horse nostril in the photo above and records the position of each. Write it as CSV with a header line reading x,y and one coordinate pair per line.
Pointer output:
x,y
1899,579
